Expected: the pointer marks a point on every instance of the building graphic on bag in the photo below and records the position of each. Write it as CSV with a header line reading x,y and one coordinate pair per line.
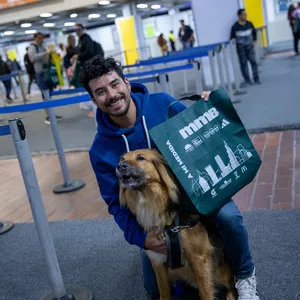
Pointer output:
x,y
209,178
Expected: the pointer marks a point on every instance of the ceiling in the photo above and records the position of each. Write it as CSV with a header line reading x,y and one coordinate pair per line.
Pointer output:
x,y
115,7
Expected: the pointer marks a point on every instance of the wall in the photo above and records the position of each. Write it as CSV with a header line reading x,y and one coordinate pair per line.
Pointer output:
x,y
278,25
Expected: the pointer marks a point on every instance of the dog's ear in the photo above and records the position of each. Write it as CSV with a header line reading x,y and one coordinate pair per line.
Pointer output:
x,y
160,165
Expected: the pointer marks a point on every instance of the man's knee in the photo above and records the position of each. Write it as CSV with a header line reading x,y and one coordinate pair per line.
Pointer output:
x,y
228,216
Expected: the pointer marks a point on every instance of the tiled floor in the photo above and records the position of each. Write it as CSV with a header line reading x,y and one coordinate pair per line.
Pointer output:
x,y
276,186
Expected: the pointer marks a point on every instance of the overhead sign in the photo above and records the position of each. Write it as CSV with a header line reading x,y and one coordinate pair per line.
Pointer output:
x,y
4,4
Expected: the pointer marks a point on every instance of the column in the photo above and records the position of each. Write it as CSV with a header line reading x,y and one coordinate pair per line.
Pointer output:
x,y
213,21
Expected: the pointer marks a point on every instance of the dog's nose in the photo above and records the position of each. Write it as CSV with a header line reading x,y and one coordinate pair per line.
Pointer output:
x,y
122,166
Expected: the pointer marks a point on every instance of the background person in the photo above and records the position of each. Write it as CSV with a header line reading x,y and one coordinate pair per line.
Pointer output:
x,y
5,70
172,41
30,71
163,44
244,33
291,19
186,35
39,56
296,27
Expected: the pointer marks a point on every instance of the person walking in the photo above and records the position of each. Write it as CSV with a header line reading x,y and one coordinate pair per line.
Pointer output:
x,y
295,18
172,41
186,35
39,56
163,44
30,71
5,70
244,33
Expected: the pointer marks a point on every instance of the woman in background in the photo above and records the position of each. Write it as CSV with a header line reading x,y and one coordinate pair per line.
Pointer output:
x,y
292,21
69,57
163,44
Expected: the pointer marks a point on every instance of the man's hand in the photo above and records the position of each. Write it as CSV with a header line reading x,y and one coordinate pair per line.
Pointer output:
x,y
155,242
205,95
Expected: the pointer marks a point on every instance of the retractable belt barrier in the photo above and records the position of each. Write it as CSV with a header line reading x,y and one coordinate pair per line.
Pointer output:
x,y
18,132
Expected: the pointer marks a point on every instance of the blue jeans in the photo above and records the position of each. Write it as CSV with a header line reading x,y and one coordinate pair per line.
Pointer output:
x,y
230,226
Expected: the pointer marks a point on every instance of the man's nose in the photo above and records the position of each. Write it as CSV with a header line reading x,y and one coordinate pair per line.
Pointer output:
x,y
123,166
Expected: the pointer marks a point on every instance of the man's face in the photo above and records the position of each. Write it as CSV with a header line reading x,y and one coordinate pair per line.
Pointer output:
x,y
111,94
39,39
243,16
79,31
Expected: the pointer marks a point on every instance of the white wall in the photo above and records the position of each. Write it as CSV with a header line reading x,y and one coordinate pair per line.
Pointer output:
x,y
164,24
278,25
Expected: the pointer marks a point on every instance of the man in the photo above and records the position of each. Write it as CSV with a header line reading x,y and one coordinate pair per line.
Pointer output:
x,y
244,33
39,56
85,45
172,41
5,70
186,35
124,115
30,71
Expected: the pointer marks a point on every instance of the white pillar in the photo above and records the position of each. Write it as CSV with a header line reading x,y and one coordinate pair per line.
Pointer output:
x,y
213,21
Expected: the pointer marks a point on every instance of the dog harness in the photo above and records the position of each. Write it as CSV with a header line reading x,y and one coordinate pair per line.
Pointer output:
x,y
175,257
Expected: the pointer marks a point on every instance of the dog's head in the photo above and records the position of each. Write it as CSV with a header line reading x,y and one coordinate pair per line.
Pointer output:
x,y
137,169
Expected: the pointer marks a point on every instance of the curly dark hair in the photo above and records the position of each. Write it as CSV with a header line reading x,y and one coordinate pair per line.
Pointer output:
x,y
97,67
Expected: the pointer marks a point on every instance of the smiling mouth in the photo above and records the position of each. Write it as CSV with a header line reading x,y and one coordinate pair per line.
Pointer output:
x,y
112,104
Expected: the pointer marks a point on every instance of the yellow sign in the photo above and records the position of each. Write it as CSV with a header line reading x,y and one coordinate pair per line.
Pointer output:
x,y
12,54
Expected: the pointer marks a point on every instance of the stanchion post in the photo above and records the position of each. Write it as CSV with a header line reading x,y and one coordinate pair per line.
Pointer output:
x,y
213,69
13,87
40,219
185,80
227,71
21,82
220,67
68,185
163,82
198,76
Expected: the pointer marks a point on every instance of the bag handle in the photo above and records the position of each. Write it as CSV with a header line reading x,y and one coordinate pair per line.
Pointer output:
x,y
193,97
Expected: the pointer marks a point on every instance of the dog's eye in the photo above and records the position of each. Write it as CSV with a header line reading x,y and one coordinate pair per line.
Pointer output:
x,y
140,158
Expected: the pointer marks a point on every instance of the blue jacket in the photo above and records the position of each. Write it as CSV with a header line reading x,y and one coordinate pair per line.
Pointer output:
x,y
110,144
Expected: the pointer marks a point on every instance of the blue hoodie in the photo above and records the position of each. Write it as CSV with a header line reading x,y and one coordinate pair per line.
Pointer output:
x,y
110,144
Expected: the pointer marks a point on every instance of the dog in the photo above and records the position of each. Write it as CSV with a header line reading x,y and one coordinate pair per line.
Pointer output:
x,y
149,191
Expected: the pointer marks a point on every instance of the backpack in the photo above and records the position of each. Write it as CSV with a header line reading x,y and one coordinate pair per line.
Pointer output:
x,y
98,50
28,63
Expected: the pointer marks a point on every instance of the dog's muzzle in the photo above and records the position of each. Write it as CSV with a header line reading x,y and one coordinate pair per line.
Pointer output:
x,y
131,177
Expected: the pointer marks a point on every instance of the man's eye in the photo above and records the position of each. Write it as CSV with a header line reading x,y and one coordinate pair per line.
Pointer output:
x,y
101,93
114,85
140,158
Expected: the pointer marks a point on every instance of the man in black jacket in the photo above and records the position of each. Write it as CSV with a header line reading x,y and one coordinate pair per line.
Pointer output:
x,y
85,45
244,33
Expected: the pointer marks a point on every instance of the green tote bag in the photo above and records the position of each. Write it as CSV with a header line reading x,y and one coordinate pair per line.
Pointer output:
x,y
208,150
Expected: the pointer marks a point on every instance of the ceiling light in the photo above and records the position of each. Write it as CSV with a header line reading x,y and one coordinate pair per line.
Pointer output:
x,y
46,15
31,31
111,16
49,24
94,16
9,32
73,15
141,5
155,6
70,24
26,25
104,2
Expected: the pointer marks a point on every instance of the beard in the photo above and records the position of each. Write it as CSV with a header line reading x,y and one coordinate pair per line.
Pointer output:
x,y
122,113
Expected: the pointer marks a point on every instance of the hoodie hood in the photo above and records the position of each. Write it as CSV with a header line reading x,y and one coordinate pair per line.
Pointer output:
x,y
140,96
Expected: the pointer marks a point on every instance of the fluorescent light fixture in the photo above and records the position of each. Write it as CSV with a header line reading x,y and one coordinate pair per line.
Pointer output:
x,y
111,16
46,15
94,16
155,6
104,2
49,24
9,32
26,25
31,31
70,24
73,16
142,5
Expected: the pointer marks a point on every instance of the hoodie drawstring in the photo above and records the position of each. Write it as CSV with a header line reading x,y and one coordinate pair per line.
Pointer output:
x,y
146,132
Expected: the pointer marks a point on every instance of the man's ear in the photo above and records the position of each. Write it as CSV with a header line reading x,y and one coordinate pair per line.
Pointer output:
x,y
126,80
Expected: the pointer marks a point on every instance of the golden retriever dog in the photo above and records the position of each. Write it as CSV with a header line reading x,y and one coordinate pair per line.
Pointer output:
x,y
148,189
